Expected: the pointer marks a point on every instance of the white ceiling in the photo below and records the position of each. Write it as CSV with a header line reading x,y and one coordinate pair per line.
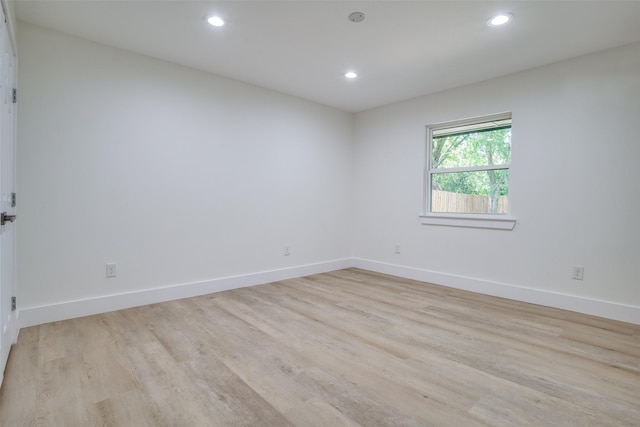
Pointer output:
x,y
401,50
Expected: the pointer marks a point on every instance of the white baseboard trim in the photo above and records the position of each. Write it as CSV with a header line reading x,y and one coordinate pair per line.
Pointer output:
x,y
31,316
607,309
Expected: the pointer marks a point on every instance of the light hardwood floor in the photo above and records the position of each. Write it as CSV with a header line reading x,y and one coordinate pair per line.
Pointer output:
x,y
343,348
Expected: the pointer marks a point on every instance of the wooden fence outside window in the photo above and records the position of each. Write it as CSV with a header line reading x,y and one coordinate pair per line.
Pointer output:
x,y
444,201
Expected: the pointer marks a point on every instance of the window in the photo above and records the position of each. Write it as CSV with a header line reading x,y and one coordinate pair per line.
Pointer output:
x,y
467,173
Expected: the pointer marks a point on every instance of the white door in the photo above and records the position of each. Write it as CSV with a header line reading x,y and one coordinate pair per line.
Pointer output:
x,y
8,326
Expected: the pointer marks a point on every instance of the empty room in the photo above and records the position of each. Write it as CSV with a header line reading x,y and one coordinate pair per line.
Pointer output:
x,y
319,213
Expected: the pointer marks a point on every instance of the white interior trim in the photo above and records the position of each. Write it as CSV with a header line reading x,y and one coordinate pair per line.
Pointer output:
x,y
9,16
31,316
606,309
500,222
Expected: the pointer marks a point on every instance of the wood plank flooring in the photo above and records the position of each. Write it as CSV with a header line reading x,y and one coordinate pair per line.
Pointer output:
x,y
345,348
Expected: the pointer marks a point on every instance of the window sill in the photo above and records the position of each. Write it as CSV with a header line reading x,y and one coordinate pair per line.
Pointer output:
x,y
499,222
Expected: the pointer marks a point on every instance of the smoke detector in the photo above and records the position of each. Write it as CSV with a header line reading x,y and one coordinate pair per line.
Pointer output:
x,y
356,17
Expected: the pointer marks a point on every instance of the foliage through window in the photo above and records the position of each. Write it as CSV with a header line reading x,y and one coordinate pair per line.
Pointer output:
x,y
468,166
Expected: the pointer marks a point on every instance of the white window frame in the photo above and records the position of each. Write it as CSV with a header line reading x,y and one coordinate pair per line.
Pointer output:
x,y
494,221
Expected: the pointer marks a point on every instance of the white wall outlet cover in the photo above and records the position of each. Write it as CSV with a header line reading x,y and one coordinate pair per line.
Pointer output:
x,y
111,270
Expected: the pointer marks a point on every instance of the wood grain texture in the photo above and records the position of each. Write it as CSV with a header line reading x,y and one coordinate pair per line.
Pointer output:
x,y
346,348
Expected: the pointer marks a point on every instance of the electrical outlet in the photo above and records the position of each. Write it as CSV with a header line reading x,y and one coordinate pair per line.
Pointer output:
x,y
287,250
111,270
397,249
577,272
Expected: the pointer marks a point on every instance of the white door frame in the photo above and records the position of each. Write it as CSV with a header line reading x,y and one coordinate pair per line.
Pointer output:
x,y
8,317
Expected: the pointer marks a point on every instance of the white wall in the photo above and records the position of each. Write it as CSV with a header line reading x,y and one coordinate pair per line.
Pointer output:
x,y
575,183
175,175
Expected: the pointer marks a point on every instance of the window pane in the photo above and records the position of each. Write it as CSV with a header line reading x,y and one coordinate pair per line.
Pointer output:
x,y
471,148
481,192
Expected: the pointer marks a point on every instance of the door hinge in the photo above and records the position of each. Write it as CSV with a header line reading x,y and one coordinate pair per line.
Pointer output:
x,y
13,200
13,303
14,95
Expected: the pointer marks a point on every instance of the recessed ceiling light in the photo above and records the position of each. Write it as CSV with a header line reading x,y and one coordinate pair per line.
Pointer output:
x,y
351,75
216,21
500,19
